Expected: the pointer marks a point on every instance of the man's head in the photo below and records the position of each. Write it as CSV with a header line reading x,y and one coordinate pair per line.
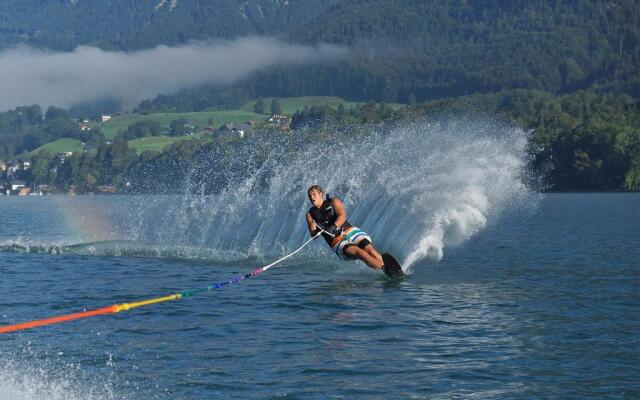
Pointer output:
x,y
315,195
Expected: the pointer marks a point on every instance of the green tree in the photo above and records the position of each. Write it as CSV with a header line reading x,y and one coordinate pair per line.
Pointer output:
x,y
119,154
632,179
143,129
40,167
54,113
276,108
411,99
259,106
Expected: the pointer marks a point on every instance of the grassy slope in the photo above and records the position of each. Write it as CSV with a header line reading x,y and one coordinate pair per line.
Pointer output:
x,y
59,146
155,143
292,104
218,118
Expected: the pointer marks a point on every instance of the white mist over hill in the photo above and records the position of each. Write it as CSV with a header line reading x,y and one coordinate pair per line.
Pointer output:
x,y
32,76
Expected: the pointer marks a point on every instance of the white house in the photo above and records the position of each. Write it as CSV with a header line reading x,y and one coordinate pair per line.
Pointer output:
x,y
15,185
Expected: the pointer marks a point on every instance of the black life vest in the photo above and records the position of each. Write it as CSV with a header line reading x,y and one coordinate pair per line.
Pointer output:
x,y
326,216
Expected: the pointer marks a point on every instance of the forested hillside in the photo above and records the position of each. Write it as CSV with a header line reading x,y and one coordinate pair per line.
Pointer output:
x,y
411,50
138,24
444,48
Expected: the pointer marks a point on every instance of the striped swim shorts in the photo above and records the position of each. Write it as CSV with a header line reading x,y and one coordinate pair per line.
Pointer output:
x,y
350,236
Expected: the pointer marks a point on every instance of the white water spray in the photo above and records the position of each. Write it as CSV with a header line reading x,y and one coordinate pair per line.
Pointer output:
x,y
416,189
19,381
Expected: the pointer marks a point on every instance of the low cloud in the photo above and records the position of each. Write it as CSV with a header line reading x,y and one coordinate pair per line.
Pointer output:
x,y
32,76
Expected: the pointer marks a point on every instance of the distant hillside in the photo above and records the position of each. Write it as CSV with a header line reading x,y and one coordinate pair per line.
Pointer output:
x,y
443,48
136,24
412,50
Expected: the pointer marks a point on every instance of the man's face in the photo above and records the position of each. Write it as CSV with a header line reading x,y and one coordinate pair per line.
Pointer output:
x,y
315,197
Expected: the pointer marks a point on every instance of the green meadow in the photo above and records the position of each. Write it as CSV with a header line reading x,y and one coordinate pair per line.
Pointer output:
x,y
119,123
59,146
215,119
292,104
155,143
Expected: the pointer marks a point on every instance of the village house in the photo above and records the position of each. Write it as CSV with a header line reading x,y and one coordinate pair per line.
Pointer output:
x,y
105,117
16,185
3,166
231,129
281,121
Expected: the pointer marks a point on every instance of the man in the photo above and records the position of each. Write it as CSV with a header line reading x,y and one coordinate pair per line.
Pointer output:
x,y
327,215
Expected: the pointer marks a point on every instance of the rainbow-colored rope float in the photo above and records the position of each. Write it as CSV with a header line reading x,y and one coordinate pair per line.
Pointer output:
x,y
116,308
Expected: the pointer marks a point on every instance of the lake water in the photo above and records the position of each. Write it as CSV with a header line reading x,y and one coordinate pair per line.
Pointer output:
x,y
542,302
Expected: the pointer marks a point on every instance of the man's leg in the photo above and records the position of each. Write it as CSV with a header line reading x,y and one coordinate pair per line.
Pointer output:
x,y
360,254
372,251
366,245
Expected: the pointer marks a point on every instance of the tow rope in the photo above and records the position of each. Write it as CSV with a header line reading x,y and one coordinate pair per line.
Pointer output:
x,y
116,308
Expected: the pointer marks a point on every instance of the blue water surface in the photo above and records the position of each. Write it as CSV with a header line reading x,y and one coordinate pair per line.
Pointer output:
x,y
540,304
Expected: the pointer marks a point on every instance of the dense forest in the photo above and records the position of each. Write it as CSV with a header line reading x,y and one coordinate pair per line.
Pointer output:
x,y
410,50
140,24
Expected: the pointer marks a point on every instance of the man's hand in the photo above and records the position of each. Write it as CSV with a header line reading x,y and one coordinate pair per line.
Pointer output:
x,y
334,230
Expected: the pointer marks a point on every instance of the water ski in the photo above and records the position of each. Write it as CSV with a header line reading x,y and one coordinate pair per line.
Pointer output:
x,y
391,266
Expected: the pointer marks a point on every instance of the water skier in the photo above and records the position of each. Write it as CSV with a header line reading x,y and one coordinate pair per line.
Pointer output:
x,y
328,215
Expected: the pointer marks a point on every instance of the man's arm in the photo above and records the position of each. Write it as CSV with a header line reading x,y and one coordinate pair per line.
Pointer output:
x,y
338,207
312,225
